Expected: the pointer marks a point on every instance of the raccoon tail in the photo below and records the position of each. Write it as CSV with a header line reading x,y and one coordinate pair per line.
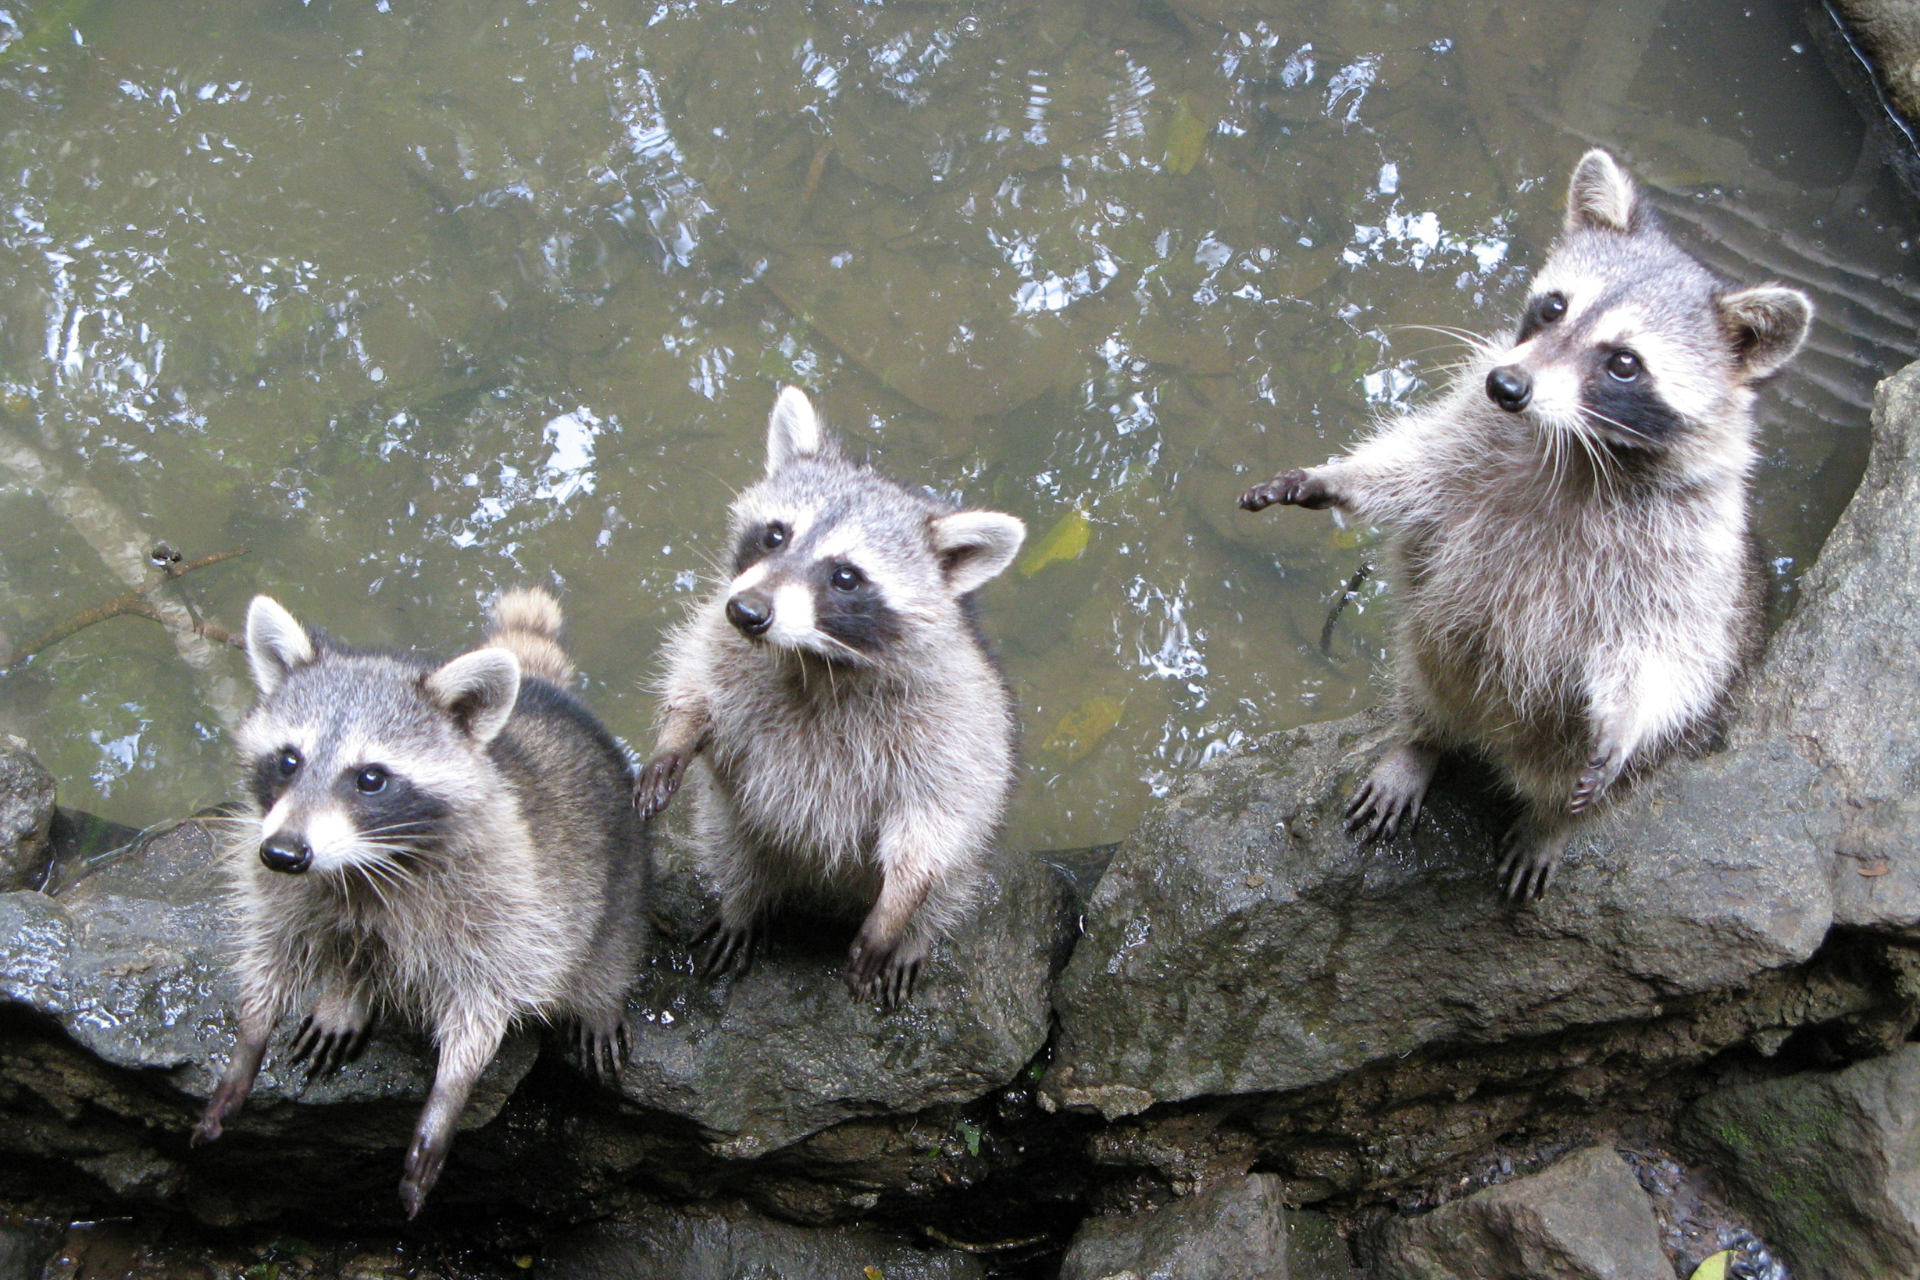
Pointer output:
x,y
526,623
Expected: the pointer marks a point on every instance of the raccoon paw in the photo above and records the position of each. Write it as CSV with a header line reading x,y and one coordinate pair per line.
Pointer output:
x,y
426,1157
326,1049
226,1100
888,974
659,779
601,1050
721,949
1295,488
1528,867
1392,793
1600,773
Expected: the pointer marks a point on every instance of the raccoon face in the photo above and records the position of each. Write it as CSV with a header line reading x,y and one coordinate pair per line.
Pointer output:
x,y
1625,340
834,560
360,763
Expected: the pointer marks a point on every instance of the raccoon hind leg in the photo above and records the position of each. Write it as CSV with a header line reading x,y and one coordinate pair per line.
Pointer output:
x,y
1393,791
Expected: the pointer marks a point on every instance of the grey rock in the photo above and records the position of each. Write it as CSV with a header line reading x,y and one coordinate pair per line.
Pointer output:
x,y
1241,941
1889,30
763,1061
21,1254
733,1243
26,813
1828,1162
1238,1230
1585,1218
1842,676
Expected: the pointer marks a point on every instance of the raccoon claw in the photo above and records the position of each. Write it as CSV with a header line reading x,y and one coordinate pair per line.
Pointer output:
x,y
425,1159
887,975
325,1052
1527,869
659,779
600,1052
1378,810
1592,783
721,949
1295,488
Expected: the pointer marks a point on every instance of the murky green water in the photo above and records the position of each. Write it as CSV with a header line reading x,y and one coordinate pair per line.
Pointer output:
x,y
415,301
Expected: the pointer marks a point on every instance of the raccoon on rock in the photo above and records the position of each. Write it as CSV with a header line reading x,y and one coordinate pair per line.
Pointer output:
x,y
450,843
1578,586
856,741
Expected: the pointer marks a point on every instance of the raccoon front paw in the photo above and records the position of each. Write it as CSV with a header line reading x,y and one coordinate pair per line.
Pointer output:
x,y
888,973
601,1050
1528,867
659,779
1392,793
1600,773
721,949
226,1100
1295,488
326,1048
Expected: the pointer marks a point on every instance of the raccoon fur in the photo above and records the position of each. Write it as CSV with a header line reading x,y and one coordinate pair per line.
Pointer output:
x,y
1577,581
453,844
856,742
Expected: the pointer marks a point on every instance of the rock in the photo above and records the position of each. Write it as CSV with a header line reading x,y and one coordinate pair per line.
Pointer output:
x,y
1585,1218
1239,1230
1889,30
26,813
1828,1162
1242,942
21,1254
734,1243
763,1061
1840,675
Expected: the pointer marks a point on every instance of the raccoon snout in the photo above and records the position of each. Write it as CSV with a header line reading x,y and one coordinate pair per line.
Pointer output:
x,y
751,612
286,853
1510,388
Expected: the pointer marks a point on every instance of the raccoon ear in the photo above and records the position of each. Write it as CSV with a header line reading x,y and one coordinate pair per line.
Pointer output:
x,y
276,643
793,431
478,690
974,547
1766,325
1602,197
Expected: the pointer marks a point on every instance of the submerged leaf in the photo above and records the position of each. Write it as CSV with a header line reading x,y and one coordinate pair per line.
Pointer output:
x,y
1080,730
1067,540
1714,1268
1186,139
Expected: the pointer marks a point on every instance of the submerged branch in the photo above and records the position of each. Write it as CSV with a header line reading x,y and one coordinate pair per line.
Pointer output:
x,y
133,604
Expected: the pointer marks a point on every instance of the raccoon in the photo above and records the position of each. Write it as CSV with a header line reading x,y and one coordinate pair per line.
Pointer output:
x,y
450,843
1578,584
857,741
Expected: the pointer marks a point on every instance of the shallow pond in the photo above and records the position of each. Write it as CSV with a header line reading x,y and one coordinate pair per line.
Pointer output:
x,y
416,301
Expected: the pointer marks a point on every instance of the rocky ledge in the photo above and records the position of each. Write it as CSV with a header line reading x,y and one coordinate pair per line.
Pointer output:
x,y
1253,1048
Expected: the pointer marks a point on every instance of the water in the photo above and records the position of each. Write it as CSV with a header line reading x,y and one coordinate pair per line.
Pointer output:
x,y
416,301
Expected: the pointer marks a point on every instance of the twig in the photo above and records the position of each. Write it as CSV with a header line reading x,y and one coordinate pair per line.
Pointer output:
x,y
996,1246
1345,598
134,604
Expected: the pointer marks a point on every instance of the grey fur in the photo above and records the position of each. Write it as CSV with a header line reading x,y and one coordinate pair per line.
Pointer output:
x,y
855,757
496,873
1579,590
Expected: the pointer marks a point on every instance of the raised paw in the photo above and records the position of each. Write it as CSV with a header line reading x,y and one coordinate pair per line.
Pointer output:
x,y
1295,488
659,779
721,948
1600,773
1528,867
882,972
325,1049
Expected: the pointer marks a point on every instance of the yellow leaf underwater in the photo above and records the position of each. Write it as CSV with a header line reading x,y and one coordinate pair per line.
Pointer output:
x,y
1080,730
1714,1268
1067,540
1186,139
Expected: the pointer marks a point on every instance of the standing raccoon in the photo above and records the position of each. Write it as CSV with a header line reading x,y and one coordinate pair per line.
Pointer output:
x,y
858,742
1578,585
454,844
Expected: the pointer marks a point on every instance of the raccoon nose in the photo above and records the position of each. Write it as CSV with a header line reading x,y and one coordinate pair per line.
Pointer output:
x,y
1510,388
751,612
286,853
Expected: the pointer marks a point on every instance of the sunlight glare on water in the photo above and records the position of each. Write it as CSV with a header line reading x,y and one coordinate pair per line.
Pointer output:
x,y
417,301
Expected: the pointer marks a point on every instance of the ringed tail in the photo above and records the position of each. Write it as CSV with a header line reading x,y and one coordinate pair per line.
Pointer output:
x,y
526,622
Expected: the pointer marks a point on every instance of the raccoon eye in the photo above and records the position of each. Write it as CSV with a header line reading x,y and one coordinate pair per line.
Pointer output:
x,y
370,780
288,762
1552,307
846,578
774,536
1623,366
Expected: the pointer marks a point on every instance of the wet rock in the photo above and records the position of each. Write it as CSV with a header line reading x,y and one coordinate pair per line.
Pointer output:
x,y
1585,1218
728,1242
1242,942
1889,31
1842,673
21,1254
1239,1230
762,1061
26,813
1829,1163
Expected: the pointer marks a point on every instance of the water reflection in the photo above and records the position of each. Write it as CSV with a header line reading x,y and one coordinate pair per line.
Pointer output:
x,y
419,301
